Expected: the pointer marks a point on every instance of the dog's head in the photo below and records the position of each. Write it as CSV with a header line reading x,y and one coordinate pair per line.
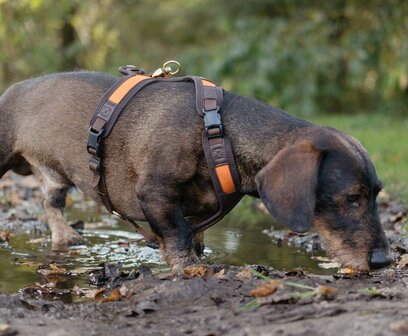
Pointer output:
x,y
327,181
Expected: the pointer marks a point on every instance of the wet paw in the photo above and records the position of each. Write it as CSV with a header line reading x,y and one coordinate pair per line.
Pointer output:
x,y
67,237
74,238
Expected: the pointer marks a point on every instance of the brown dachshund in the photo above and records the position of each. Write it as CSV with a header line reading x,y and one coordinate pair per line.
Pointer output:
x,y
308,176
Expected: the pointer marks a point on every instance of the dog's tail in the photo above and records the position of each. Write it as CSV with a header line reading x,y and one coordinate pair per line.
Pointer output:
x,y
5,138
8,159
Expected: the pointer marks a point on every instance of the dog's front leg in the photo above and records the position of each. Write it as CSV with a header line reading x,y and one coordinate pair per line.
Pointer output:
x,y
174,232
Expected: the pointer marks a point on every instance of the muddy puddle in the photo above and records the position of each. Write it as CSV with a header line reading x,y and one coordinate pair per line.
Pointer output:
x,y
112,241
239,240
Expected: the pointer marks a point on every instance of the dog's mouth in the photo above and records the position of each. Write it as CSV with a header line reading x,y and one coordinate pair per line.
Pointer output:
x,y
351,263
353,259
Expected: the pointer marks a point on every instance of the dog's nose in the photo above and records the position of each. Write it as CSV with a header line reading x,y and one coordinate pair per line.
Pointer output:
x,y
379,258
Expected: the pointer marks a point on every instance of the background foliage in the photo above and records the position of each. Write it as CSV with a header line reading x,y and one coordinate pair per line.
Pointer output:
x,y
307,57
316,59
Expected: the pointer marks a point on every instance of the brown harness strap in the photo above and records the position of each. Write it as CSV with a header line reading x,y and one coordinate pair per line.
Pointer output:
x,y
217,150
216,145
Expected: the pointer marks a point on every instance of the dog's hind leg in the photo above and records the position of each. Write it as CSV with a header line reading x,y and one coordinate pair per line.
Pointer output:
x,y
55,189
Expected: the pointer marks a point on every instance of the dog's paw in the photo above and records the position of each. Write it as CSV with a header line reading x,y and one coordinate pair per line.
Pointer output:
x,y
67,237
74,238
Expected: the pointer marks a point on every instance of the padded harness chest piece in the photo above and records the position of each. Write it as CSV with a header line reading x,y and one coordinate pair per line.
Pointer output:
x,y
216,145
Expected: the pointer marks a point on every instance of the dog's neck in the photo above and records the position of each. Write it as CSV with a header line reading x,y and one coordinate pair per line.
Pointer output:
x,y
258,132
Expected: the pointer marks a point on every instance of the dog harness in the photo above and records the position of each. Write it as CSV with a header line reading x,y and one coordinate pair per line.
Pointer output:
x,y
216,145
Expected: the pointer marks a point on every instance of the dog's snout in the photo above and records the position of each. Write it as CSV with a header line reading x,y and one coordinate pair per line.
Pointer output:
x,y
379,258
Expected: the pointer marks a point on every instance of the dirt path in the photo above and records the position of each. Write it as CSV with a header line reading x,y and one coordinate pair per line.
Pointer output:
x,y
217,304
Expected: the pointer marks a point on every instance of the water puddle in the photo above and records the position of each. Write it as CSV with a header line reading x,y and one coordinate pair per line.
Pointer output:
x,y
228,242
236,240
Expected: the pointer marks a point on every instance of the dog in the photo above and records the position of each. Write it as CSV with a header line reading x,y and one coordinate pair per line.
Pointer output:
x,y
308,176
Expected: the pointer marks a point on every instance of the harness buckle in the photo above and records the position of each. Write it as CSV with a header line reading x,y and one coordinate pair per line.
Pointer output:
x,y
94,141
95,164
213,123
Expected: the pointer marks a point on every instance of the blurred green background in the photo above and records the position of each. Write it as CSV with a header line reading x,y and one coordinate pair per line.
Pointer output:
x,y
341,63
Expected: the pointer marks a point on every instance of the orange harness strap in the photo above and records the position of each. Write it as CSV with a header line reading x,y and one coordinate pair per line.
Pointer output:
x,y
216,145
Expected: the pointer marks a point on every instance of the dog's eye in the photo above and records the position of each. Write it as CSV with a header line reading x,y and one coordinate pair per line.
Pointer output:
x,y
353,199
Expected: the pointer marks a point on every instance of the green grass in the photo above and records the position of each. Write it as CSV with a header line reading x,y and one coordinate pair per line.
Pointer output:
x,y
386,139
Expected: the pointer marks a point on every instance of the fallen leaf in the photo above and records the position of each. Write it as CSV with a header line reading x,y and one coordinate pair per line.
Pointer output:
x,y
296,272
5,235
220,275
403,262
245,275
113,295
327,292
57,269
53,270
266,289
347,270
196,271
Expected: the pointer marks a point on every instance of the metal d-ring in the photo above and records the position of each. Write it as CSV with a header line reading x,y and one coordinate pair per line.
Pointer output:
x,y
168,67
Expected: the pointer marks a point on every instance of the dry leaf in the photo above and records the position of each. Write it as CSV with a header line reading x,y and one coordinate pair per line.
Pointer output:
x,y
53,270
57,269
347,270
220,275
198,271
5,235
245,275
114,295
266,289
327,292
403,262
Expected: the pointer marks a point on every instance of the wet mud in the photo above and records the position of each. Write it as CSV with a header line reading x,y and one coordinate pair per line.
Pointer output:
x,y
222,302
122,298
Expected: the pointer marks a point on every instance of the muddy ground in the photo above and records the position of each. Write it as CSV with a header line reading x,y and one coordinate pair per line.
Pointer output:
x,y
216,300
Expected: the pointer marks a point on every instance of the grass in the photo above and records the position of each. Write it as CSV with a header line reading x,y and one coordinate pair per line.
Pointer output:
x,y
386,139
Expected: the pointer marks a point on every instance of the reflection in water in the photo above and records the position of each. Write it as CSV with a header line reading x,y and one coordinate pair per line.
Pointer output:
x,y
231,240
236,240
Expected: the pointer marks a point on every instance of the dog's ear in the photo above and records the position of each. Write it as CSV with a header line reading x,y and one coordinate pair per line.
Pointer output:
x,y
287,185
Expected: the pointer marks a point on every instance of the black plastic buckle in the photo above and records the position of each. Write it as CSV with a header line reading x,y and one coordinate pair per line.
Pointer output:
x,y
212,121
94,142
